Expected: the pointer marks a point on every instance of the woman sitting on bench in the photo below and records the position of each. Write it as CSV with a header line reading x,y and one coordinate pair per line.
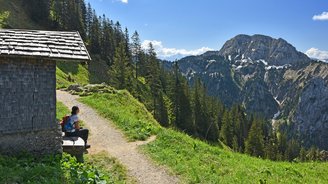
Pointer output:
x,y
72,127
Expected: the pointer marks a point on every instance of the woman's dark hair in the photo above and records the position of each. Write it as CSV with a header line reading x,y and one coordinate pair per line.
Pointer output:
x,y
74,110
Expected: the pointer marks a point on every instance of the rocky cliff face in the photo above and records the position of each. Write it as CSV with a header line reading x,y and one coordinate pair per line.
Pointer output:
x,y
273,51
270,77
311,115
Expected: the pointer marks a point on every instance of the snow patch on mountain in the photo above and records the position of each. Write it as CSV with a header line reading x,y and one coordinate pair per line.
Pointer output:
x,y
209,63
215,74
273,67
239,64
275,116
264,62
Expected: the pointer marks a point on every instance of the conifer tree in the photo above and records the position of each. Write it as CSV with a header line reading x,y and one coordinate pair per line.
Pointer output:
x,y
237,126
302,154
198,114
94,35
235,145
220,111
88,20
119,70
227,131
83,9
127,43
118,33
181,102
153,77
136,52
162,115
255,140
282,142
271,148
107,42
185,113
293,150
214,110
205,121
175,93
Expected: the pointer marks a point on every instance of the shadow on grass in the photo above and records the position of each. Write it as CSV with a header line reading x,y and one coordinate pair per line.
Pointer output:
x,y
72,68
95,72
28,169
48,169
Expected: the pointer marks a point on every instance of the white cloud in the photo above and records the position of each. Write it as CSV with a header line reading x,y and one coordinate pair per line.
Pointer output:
x,y
172,53
317,54
322,16
122,1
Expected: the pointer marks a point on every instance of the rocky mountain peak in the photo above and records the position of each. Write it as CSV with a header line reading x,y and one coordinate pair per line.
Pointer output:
x,y
260,47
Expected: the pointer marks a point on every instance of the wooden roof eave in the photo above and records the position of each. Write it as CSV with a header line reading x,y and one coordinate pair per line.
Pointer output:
x,y
46,58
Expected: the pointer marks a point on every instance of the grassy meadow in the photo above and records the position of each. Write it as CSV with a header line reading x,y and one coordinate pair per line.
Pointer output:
x,y
193,160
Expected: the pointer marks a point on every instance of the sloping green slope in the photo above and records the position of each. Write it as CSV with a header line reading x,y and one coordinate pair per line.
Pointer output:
x,y
68,73
194,160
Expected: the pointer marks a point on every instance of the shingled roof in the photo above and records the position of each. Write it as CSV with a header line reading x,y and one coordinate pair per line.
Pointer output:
x,y
56,45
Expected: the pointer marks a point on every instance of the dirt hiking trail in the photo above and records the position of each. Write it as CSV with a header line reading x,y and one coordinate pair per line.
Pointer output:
x,y
105,137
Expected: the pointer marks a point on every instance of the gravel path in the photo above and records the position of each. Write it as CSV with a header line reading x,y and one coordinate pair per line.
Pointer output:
x,y
105,137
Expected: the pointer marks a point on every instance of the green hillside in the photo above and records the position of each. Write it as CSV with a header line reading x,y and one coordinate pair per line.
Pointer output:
x,y
194,160
71,73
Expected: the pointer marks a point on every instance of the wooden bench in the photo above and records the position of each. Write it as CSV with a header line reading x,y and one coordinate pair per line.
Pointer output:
x,y
74,146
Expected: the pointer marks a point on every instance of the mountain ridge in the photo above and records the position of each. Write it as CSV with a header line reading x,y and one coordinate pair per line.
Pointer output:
x,y
276,82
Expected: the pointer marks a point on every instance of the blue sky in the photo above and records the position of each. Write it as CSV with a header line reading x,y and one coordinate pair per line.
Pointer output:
x,y
184,27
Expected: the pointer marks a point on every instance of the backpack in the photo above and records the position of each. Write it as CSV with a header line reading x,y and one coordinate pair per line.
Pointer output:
x,y
64,122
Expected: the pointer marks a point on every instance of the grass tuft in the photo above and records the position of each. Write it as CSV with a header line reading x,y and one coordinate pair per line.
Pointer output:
x,y
111,167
